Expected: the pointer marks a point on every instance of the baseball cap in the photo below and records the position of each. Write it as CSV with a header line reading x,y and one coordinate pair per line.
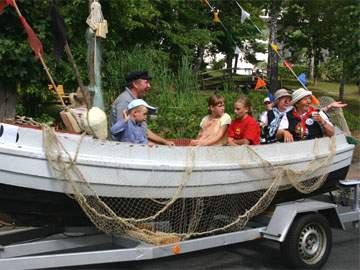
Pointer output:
x,y
140,102
132,76
267,99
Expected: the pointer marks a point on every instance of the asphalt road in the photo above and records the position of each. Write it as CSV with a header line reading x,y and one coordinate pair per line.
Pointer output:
x,y
258,254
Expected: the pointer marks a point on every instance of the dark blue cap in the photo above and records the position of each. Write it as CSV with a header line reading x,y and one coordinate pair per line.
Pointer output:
x,y
136,75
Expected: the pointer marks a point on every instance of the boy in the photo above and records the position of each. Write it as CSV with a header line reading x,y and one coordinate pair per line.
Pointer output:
x,y
130,129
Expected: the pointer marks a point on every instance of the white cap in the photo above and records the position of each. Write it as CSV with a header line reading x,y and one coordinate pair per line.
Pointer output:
x,y
267,99
140,102
299,94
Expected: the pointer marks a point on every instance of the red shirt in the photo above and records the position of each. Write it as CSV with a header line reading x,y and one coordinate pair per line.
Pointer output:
x,y
246,128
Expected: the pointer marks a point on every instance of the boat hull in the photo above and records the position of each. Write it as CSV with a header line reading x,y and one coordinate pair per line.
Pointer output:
x,y
123,170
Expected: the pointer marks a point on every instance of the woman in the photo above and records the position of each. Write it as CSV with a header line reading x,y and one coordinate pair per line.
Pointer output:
x,y
273,117
303,122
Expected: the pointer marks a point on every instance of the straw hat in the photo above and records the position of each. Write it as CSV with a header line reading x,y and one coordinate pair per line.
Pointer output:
x,y
299,94
281,93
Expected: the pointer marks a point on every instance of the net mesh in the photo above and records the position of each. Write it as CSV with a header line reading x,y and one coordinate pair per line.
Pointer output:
x,y
162,221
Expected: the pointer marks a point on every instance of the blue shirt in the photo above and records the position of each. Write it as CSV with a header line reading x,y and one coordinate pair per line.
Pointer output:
x,y
119,105
129,131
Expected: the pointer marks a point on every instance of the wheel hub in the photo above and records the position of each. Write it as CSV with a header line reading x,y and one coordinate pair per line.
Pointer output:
x,y
312,243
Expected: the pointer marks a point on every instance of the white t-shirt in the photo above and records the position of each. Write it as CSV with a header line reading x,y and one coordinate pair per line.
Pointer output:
x,y
284,123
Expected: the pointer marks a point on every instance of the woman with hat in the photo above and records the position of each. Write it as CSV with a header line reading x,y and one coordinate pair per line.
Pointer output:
x,y
273,117
303,122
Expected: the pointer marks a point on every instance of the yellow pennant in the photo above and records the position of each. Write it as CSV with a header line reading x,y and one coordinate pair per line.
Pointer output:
x,y
216,18
275,48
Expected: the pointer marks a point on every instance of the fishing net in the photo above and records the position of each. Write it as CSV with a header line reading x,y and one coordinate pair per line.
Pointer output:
x,y
162,220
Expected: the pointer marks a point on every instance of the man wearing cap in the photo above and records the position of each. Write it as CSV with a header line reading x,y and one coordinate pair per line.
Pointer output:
x,y
138,83
268,107
303,122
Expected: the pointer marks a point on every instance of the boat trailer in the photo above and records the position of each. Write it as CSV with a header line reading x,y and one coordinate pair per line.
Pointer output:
x,y
302,228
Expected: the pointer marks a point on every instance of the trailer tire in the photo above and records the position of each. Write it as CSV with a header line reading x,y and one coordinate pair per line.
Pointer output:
x,y
308,242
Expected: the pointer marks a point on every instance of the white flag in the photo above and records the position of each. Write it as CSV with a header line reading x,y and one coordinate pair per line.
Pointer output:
x,y
244,14
237,50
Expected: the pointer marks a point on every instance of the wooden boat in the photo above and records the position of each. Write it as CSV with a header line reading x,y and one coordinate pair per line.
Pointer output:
x,y
122,170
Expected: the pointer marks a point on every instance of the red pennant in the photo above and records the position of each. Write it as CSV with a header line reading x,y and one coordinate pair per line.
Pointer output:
x,y
287,64
3,5
205,2
260,83
34,42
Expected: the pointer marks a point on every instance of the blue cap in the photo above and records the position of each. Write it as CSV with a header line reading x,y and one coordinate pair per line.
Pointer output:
x,y
140,102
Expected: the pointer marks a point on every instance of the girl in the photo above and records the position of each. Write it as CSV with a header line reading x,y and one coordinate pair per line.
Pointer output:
x,y
244,129
214,125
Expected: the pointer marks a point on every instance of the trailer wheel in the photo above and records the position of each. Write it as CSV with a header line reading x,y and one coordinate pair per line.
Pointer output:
x,y
308,242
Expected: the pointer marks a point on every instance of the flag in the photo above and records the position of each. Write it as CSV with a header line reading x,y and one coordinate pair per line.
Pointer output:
x,y
302,78
287,64
260,83
272,98
33,40
275,48
244,14
237,50
216,18
4,4
314,100
206,2
59,31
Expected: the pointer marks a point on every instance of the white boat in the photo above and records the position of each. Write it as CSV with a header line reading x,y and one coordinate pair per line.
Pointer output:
x,y
123,170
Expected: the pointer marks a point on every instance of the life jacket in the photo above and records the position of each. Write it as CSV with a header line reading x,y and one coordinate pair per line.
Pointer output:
x,y
304,128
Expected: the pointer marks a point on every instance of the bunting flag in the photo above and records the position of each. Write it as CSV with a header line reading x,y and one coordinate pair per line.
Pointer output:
x,y
272,98
244,14
33,40
275,48
287,64
237,50
215,14
4,4
260,83
59,31
302,78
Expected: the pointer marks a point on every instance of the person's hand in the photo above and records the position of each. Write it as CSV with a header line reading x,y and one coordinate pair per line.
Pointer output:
x,y
316,116
337,104
126,115
169,143
194,142
151,144
288,137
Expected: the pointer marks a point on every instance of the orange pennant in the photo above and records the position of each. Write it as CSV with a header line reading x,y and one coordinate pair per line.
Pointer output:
x,y
314,100
260,83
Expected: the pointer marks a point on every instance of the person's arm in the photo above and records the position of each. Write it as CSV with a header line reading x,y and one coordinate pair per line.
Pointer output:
x,y
157,139
233,141
210,140
335,104
282,132
324,122
118,127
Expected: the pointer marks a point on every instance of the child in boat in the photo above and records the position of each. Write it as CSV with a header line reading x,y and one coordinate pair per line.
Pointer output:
x,y
130,129
214,125
244,129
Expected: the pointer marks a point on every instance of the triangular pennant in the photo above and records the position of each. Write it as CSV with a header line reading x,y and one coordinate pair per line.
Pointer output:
x,y
288,65
314,100
275,48
34,41
244,14
302,78
237,50
216,18
260,83
59,31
